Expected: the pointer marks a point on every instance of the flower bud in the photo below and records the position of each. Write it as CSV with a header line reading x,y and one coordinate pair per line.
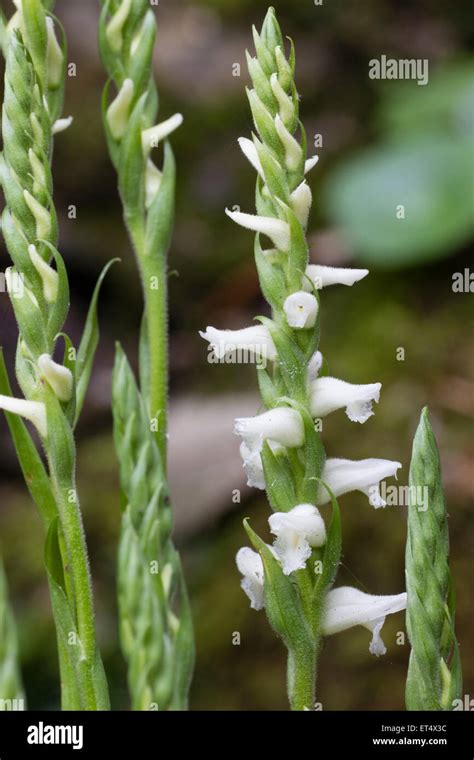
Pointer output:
x,y
300,201
41,215
153,178
49,276
119,110
285,103
115,26
301,310
54,56
59,378
293,150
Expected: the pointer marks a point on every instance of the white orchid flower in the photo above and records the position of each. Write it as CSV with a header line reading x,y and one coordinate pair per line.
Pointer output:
x,y
347,607
281,425
322,277
253,465
276,229
297,531
255,339
328,394
250,152
300,201
301,310
250,565
33,411
344,475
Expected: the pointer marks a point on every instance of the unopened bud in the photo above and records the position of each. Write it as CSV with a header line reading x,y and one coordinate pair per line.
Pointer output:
x,y
59,378
49,276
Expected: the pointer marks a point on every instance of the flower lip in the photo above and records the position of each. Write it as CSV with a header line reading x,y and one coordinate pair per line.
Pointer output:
x,y
250,565
276,229
297,531
323,276
346,607
329,394
344,475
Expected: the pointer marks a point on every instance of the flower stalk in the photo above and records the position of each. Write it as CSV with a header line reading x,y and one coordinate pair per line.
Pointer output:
x,y
282,447
53,391
155,618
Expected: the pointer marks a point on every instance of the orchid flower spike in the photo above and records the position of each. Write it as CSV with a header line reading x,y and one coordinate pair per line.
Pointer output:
x,y
282,425
322,277
301,310
255,340
346,607
297,531
277,230
328,394
365,475
250,565
33,411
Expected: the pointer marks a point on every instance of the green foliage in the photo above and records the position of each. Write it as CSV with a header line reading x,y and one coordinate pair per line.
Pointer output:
x,y
11,687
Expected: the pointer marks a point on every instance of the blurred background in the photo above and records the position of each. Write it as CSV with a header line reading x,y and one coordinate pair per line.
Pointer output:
x,y
384,144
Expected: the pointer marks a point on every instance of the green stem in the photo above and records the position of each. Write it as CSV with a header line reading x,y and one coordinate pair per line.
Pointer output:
x,y
156,308
302,679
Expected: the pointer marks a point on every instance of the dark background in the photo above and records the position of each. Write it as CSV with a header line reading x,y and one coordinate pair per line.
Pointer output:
x,y
384,144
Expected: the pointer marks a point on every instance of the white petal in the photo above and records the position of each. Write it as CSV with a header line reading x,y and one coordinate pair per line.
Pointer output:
x,y
314,365
49,276
322,277
282,425
119,110
301,310
285,103
304,519
250,152
310,163
328,394
292,551
59,377
152,137
347,607
344,475
250,566
34,411
276,229
60,125
300,201
255,339
253,467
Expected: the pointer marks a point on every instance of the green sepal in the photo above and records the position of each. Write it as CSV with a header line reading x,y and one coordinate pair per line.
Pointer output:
x,y
298,255
160,217
271,33
131,168
34,19
279,483
331,556
264,124
88,344
30,322
261,83
275,176
265,57
141,61
59,309
268,391
291,360
271,276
